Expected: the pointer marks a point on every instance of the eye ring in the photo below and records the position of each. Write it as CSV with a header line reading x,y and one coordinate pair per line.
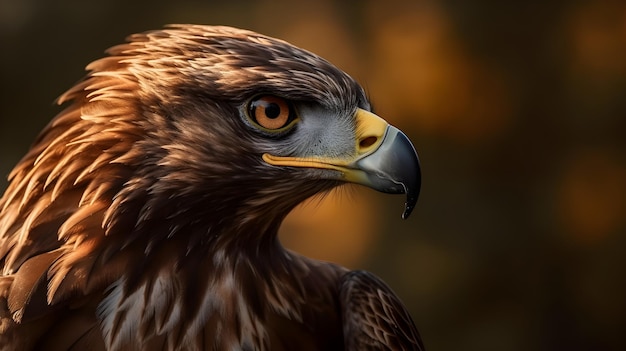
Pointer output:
x,y
271,113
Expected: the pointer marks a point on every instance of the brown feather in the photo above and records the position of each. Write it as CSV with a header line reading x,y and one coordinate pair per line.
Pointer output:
x,y
143,218
374,317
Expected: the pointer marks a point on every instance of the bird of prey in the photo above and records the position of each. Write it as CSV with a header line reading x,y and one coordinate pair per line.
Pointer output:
x,y
145,215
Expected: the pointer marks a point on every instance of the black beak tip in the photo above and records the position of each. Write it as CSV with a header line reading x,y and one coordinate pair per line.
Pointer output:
x,y
411,200
412,194
413,176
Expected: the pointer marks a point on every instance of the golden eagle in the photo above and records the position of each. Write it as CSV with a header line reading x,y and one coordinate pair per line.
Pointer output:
x,y
145,215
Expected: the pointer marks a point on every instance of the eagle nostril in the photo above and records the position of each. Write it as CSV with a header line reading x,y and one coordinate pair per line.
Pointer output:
x,y
367,142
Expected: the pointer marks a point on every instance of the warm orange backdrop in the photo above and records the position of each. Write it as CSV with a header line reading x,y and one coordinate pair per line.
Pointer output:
x,y
518,112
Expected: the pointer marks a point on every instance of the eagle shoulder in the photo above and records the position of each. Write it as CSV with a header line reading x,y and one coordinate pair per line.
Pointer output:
x,y
373,316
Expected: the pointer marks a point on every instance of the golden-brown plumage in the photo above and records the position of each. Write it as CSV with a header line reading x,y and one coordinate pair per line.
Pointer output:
x,y
145,215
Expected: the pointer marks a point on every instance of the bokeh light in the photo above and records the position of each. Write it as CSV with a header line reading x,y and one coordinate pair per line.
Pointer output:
x,y
518,112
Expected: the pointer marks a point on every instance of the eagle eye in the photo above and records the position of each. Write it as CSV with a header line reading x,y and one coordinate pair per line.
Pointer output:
x,y
271,113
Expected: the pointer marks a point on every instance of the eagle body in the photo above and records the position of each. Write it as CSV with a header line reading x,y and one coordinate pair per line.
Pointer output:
x,y
145,215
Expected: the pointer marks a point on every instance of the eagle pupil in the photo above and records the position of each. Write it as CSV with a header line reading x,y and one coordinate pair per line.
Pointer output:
x,y
272,110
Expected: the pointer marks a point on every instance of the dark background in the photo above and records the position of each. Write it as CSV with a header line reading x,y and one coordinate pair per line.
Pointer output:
x,y
517,110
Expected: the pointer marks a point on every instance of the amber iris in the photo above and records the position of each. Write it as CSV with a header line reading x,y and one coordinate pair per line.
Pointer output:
x,y
271,112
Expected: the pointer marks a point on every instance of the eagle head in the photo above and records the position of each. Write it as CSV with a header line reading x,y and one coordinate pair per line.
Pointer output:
x,y
185,147
229,127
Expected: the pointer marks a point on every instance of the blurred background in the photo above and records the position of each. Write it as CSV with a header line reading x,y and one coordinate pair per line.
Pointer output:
x,y
518,112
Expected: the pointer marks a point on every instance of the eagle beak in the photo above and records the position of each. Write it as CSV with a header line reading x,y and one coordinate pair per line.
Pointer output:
x,y
385,160
390,164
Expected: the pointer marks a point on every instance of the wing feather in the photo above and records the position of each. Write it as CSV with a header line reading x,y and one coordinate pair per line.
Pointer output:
x,y
373,316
